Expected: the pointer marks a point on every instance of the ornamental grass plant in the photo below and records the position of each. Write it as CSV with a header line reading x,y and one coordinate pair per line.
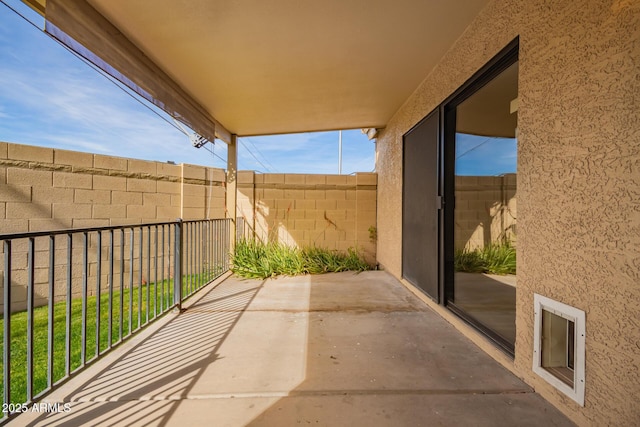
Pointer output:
x,y
494,258
260,260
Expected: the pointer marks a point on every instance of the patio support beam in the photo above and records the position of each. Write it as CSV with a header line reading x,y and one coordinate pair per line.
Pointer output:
x,y
232,187
222,133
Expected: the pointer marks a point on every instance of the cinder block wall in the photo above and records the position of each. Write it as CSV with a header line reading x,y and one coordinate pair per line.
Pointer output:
x,y
330,211
50,189
45,189
485,210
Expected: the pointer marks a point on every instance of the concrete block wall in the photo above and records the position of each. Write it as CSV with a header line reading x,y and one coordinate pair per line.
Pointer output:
x,y
50,189
44,189
485,210
330,211
202,192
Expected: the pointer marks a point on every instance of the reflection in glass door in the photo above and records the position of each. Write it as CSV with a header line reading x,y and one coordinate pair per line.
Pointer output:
x,y
484,218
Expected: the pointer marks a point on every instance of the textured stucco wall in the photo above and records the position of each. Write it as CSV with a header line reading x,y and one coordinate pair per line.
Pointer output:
x,y
578,179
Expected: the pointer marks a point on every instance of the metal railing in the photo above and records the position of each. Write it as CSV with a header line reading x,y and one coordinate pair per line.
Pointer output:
x,y
69,296
244,231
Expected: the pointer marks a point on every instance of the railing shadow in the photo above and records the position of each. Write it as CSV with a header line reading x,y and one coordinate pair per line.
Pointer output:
x,y
147,383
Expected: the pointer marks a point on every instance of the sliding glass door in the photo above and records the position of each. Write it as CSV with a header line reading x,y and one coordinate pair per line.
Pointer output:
x,y
481,140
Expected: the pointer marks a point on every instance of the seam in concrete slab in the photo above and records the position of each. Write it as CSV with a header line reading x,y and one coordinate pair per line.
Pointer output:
x,y
293,310
307,393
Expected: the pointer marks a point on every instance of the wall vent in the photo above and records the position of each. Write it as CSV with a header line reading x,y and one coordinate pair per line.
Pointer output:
x,y
558,346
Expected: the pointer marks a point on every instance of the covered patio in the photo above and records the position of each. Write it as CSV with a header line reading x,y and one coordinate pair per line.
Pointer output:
x,y
334,349
392,347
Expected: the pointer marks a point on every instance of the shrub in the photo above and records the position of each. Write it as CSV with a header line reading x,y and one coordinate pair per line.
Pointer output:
x,y
254,259
468,261
495,258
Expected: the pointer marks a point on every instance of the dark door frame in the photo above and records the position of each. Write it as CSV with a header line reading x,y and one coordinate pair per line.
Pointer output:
x,y
504,59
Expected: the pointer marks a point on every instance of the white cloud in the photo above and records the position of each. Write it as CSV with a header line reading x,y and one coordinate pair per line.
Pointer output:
x,y
70,112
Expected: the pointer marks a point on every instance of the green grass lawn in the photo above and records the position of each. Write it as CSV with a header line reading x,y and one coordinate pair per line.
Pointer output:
x,y
146,302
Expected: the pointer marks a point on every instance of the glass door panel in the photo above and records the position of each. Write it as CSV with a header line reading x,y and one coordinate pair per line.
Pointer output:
x,y
484,231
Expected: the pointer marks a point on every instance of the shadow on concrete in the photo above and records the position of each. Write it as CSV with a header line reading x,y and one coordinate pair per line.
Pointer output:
x,y
377,356
145,385
339,349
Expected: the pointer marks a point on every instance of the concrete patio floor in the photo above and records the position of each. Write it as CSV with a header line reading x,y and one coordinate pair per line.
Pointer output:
x,y
339,349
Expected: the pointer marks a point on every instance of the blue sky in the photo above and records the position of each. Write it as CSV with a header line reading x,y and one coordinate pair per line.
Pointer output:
x,y
481,155
48,97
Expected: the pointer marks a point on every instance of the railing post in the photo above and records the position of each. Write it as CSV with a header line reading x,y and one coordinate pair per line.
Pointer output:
x,y
232,189
6,351
177,277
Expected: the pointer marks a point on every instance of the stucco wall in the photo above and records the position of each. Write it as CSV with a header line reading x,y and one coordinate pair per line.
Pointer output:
x,y
578,180
330,211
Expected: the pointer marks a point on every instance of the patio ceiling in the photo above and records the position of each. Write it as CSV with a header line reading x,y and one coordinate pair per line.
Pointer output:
x,y
263,67
278,66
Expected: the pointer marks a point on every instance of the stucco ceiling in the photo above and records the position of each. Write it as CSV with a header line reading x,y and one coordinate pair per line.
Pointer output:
x,y
277,66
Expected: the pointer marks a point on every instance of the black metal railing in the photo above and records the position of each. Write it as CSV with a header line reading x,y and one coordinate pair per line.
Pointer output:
x,y
244,231
69,296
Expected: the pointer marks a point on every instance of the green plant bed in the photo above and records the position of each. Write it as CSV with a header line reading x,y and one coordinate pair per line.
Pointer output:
x,y
260,260
496,258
